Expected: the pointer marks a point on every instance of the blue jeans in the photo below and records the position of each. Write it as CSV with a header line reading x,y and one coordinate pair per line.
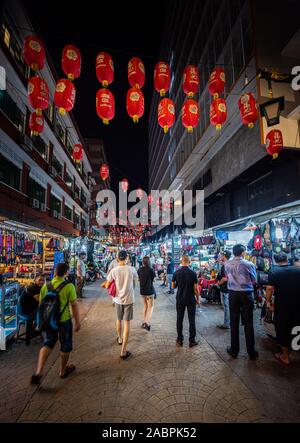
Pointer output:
x,y
170,276
225,301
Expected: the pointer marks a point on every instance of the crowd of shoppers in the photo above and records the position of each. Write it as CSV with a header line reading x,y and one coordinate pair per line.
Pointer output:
x,y
236,280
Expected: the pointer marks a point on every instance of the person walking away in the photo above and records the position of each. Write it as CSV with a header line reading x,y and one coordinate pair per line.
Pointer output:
x,y
124,277
67,297
241,276
146,275
80,274
186,282
284,283
170,272
222,281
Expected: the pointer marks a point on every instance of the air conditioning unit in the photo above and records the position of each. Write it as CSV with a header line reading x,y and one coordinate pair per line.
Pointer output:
x,y
77,226
35,203
54,214
25,142
43,207
59,216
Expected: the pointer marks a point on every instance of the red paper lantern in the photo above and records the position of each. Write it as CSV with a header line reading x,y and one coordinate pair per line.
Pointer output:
x,y
248,109
105,105
64,96
216,82
104,69
166,114
125,185
38,94
135,104
71,62
162,78
78,152
34,52
191,80
136,73
274,142
104,171
218,112
190,114
36,123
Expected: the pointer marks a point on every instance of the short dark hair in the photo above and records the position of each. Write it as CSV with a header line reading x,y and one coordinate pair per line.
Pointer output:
x,y
122,255
226,254
82,253
238,250
280,258
146,261
61,269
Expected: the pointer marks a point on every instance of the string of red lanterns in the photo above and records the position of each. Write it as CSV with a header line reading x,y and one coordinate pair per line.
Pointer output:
x,y
65,91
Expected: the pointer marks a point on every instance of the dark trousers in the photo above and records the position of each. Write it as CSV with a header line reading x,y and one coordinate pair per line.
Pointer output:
x,y
241,302
192,321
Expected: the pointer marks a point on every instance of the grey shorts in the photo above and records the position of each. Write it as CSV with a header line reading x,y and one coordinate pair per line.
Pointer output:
x,y
124,312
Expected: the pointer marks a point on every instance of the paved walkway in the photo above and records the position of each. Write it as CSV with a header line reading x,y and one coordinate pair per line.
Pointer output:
x,y
160,383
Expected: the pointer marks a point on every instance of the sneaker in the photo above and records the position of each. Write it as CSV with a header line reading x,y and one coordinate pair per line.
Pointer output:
x,y
193,343
223,327
254,356
179,342
229,350
148,327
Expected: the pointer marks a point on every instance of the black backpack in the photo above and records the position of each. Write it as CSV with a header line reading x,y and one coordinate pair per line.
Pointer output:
x,y
49,313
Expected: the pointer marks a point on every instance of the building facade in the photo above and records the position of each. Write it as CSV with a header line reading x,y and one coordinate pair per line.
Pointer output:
x,y
40,183
232,167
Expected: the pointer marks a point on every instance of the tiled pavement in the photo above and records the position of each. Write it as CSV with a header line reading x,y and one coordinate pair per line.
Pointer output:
x,y
160,383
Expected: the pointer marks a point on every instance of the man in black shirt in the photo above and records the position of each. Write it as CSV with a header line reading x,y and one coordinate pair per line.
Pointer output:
x,y
186,282
222,280
29,299
284,283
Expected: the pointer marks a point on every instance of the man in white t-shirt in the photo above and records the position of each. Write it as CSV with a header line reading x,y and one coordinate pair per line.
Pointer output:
x,y
124,277
80,274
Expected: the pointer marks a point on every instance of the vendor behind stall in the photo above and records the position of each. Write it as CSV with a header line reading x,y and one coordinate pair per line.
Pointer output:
x,y
29,299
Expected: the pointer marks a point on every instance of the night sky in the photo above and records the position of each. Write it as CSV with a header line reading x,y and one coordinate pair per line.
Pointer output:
x,y
123,29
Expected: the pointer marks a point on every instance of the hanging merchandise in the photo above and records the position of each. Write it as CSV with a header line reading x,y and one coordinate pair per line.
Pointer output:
x,y
218,112
78,152
135,104
104,69
38,94
36,123
166,114
162,78
248,109
190,114
104,171
105,105
34,53
136,73
71,62
125,185
216,82
64,96
191,80
274,143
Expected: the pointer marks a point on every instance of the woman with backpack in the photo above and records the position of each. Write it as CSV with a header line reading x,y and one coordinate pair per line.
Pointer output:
x,y
146,275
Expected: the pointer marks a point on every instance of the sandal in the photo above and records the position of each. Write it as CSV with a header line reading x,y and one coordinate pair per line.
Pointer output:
x,y
69,370
36,379
119,342
278,357
128,354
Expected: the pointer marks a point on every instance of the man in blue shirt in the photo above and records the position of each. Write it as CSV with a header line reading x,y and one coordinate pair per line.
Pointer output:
x,y
241,276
